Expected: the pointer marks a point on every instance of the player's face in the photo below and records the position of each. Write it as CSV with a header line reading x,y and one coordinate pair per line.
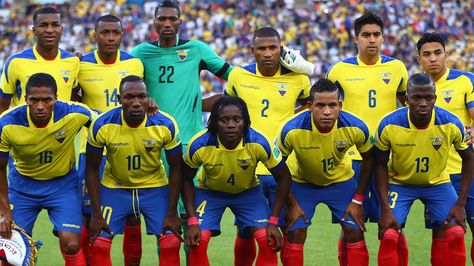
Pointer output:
x,y
167,22
325,108
267,52
421,99
230,126
432,58
40,101
369,40
108,36
48,30
134,100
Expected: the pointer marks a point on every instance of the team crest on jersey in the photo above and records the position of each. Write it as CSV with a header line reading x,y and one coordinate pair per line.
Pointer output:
x,y
122,73
66,73
282,87
386,76
182,54
436,142
244,163
60,136
447,95
340,145
149,144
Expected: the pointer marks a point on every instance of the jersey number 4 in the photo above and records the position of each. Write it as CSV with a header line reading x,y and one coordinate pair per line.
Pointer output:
x,y
111,98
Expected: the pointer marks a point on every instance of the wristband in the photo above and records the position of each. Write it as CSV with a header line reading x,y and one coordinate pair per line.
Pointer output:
x,y
192,221
357,202
359,197
273,220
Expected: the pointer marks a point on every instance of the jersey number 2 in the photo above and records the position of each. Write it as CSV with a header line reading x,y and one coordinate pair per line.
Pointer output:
x,y
167,73
266,104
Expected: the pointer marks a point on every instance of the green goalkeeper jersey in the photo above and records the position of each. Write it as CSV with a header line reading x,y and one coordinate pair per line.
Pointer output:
x,y
172,78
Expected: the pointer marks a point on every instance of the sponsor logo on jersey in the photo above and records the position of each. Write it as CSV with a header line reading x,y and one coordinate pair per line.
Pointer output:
x,y
182,54
282,87
447,95
386,76
248,86
122,73
244,163
340,145
436,142
66,73
60,136
149,144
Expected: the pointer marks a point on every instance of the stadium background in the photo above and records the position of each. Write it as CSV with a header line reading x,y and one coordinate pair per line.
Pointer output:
x,y
321,30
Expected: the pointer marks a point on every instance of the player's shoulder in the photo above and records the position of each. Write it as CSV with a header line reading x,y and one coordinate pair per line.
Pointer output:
x,y
456,73
301,120
341,65
89,58
15,116
112,116
392,61
65,55
124,56
162,119
63,108
347,119
443,116
398,117
202,139
253,136
25,54
246,69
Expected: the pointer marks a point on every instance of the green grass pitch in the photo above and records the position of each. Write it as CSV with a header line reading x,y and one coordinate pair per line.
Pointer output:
x,y
320,247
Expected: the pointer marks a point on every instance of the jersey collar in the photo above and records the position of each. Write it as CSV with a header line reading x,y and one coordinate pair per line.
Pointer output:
x,y
277,74
38,56
444,76
97,58
361,63
222,147
431,124
32,125
142,125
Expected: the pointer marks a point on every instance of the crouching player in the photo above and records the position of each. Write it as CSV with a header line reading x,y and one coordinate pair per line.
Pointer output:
x,y
134,180
419,138
228,152
318,140
39,136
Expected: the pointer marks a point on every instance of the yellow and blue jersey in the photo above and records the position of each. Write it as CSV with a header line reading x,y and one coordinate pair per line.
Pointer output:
x,y
46,152
133,153
455,93
19,67
270,100
419,156
231,171
369,91
321,158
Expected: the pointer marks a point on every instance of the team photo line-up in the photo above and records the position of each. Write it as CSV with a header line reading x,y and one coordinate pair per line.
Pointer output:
x,y
367,140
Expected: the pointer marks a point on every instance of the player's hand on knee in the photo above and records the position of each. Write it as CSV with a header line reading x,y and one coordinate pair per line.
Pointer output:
x,y
6,225
173,223
458,213
274,237
468,138
97,225
386,221
293,213
192,236
357,213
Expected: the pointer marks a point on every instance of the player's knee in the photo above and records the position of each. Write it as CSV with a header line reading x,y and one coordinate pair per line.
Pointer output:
x,y
352,234
70,242
297,236
71,247
391,235
169,242
454,233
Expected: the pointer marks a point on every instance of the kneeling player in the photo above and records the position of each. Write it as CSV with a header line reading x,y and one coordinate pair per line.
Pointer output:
x,y
419,138
39,136
318,140
228,152
134,180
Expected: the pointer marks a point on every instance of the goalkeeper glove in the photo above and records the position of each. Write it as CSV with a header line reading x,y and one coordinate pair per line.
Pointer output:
x,y
292,60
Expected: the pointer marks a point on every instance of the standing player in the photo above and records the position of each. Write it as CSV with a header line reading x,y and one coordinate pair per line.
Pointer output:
x,y
228,152
419,138
99,77
271,92
455,93
318,140
134,180
44,56
370,84
39,137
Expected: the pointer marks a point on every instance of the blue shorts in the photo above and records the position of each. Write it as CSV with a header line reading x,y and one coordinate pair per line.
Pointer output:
x,y
249,207
336,196
269,188
81,170
371,204
60,196
117,204
438,200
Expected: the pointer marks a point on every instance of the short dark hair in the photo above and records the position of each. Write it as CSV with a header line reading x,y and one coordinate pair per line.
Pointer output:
x,y
221,103
168,3
367,18
107,18
430,37
323,85
131,78
266,31
420,79
41,80
46,10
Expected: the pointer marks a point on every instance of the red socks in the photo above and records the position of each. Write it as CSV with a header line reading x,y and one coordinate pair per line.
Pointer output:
x,y
266,256
388,248
75,260
342,252
198,254
439,247
245,251
169,250
100,252
402,250
456,247
132,244
357,253
85,243
293,255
